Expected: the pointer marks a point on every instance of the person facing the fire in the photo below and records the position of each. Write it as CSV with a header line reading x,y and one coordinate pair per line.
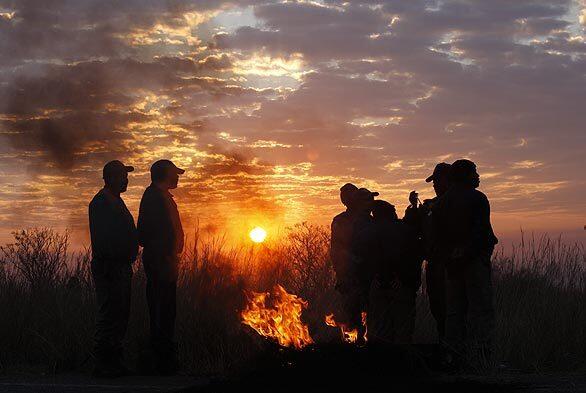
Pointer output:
x,y
462,228
420,216
341,236
161,234
348,233
396,278
364,248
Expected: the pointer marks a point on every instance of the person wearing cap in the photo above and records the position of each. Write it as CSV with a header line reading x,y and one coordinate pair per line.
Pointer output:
x,y
340,251
464,232
341,234
161,235
114,248
364,255
344,257
420,217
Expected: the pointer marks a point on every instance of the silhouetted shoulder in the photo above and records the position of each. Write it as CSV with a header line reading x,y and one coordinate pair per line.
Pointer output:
x,y
150,192
480,197
152,195
340,218
99,200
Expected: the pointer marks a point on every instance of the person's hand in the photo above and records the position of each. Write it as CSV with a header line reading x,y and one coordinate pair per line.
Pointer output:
x,y
413,198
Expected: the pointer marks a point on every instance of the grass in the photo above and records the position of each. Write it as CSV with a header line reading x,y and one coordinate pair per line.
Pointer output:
x,y
47,302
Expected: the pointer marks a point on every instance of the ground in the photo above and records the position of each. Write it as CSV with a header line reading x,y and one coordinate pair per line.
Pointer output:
x,y
85,384
521,383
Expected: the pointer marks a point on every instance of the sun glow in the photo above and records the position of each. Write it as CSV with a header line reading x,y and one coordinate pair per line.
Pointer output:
x,y
258,235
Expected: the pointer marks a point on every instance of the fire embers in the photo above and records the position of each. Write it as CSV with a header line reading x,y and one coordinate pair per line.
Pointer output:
x,y
277,315
348,335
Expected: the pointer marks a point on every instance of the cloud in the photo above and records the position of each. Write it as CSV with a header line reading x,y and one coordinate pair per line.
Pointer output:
x,y
271,113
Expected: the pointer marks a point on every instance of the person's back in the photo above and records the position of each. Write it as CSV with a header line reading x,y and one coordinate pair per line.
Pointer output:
x,y
363,246
464,233
349,231
463,217
392,297
161,235
112,230
114,249
390,238
159,226
342,228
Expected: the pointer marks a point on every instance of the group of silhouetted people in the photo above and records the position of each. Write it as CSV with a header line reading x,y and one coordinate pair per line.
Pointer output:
x,y
378,260
115,240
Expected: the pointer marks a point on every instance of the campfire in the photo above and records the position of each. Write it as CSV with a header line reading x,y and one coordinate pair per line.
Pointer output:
x,y
277,315
327,365
348,335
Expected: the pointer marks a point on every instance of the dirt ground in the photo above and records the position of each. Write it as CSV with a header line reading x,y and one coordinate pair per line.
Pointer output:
x,y
85,384
522,383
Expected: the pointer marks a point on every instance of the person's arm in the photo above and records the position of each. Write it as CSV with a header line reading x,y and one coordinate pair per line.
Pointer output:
x,y
336,252
155,229
480,225
143,224
123,235
100,227
440,247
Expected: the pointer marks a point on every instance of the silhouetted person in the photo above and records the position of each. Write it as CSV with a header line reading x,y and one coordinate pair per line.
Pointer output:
x,y
344,247
421,216
363,248
341,236
391,312
114,249
161,235
464,234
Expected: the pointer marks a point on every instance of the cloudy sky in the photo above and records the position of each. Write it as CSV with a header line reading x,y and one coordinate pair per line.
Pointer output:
x,y
271,105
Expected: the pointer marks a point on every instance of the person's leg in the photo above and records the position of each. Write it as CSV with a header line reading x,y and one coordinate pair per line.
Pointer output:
x,y
122,294
107,347
103,334
480,308
167,350
456,310
405,315
168,310
435,278
380,319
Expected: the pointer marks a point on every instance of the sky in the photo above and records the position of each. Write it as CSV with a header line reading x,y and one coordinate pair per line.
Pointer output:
x,y
271,106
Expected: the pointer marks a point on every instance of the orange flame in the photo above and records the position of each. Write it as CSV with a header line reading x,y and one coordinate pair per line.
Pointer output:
x,y
348,335
282,321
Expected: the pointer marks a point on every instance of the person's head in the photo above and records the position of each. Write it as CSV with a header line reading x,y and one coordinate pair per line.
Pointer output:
x,y
363,199
165,174
115,175
383,210
463,172
347,192
440,178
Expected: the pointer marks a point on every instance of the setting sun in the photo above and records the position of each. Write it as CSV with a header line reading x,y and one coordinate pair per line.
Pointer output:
x,y
258,235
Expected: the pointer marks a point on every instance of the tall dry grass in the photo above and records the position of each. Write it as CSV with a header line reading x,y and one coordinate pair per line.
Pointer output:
x,y
47,304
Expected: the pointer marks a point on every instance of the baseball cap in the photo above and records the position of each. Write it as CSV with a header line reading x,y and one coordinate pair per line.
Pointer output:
x,y
159,168
365,194
441,169
115,167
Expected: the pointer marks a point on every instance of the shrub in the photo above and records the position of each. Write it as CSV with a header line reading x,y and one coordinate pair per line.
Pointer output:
x,y
48,305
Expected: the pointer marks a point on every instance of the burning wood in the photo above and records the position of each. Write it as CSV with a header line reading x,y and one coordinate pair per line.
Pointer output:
x,y
277,315
348,335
